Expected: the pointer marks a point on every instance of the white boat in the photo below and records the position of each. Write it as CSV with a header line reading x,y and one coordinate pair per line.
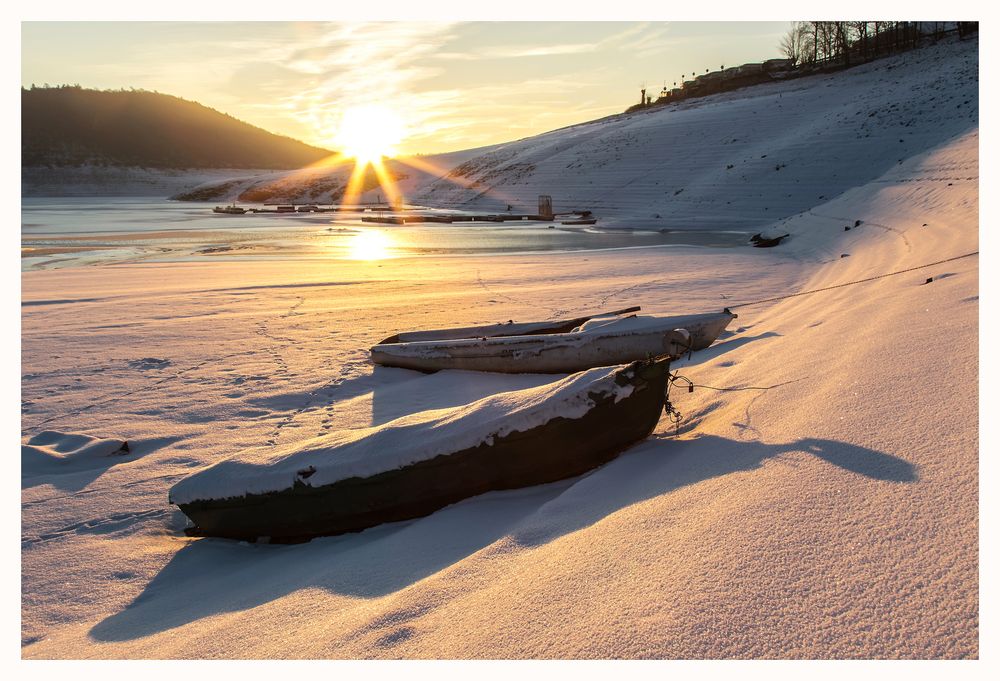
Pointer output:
x,y
510,328
602,341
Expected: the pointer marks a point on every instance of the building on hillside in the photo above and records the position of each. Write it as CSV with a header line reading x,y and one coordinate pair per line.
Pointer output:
x,y
776,65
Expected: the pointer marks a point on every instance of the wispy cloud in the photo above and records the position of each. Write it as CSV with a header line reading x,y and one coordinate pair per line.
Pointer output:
x,y
316,82
348,65
469,117
455,85
514,52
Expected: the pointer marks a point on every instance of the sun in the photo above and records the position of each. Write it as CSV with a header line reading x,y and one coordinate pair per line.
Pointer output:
x,y
368,132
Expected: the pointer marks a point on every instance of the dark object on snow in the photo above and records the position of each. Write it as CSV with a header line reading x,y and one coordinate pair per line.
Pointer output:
x,y
762,242
844,255
847,228
929,280
857,223
559,448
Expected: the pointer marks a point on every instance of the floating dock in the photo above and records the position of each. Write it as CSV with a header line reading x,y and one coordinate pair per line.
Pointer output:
x,y
449,219
387,215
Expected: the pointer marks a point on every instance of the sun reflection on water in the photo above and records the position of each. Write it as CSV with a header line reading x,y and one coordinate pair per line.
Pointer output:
x,y
370,245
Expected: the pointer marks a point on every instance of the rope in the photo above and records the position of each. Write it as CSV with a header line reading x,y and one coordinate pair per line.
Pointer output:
x,y
676,417
851,283
691,386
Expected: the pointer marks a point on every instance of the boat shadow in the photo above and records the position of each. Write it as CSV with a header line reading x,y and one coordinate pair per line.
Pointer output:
x,y
213,576
209,577
661,465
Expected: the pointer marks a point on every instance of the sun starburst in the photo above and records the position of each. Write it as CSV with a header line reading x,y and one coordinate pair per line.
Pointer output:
x,y
368,134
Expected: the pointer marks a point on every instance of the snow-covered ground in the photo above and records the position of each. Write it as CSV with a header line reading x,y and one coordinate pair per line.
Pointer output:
x,y
832,515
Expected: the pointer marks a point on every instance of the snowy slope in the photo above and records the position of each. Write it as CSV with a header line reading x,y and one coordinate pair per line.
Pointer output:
x,y
716,162
735,160
738,159
832,515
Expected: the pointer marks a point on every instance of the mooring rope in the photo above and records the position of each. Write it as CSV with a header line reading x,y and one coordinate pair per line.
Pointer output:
x,y
851,283
676,417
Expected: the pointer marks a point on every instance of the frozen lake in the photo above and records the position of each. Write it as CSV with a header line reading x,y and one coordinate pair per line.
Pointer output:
x,y
66,232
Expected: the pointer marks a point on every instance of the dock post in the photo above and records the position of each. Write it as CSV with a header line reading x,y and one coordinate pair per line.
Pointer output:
x,y
545,206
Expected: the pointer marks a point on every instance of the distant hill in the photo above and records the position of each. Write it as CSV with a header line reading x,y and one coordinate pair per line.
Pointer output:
x,y
73,126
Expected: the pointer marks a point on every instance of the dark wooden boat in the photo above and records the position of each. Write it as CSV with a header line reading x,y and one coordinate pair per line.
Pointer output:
x,y
583,421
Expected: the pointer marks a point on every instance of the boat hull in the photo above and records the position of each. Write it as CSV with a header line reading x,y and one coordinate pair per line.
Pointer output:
x,y
558,449
559,352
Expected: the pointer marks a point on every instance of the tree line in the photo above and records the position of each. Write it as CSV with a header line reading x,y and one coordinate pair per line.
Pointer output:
x,y
847,42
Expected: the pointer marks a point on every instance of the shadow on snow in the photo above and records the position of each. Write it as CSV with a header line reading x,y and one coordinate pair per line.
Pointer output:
x,y
211,576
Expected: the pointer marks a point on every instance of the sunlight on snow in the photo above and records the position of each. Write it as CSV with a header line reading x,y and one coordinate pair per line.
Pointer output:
x,y
370,245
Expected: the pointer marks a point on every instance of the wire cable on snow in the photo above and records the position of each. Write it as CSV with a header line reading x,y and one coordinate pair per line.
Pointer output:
x,y
691,386
676,417
851,283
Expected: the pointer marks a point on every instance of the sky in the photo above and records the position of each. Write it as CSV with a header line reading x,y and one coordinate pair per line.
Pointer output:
x,y
451,85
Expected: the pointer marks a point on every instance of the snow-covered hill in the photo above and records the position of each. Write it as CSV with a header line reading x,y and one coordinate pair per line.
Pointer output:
x,y
739,159
735,160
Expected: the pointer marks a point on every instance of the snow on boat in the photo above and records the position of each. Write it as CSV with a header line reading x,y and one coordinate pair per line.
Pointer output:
x,y
509,329
417,464
600,341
